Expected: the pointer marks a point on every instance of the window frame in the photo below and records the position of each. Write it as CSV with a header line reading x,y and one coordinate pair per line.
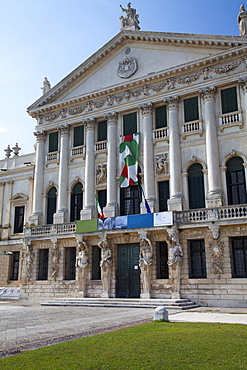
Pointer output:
x,y
43,264
70,263
243,258
14,276
203,260
73,205
198,108
98,139
137,122
15,206
96,258
49,151
237,97
155,117
74,135
160,261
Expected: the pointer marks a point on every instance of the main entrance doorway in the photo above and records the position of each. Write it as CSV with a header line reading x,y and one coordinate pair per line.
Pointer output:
x,y
128,272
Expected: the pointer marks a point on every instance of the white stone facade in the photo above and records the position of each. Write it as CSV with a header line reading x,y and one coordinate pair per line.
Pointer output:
x,y
202,247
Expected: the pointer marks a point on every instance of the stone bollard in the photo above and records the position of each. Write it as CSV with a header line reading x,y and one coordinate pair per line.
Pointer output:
x,y
160,313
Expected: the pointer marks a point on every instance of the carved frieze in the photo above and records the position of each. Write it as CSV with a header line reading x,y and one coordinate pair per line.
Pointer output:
x,y
161,163
217,253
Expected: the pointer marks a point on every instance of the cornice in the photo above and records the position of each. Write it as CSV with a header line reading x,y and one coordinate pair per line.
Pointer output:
x,y
137,36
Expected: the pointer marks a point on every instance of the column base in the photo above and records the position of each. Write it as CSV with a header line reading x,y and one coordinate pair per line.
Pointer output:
x,y
145,295
175,295
88,214
105,295
175,204
214,200
61,217
35,219
110,210
151,204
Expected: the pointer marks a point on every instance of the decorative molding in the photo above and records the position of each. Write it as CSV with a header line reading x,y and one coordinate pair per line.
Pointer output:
x,y
127,67
101,173
217,253
40,135
146,109
64,130
90,124
172,102
111,118
161,163
208,92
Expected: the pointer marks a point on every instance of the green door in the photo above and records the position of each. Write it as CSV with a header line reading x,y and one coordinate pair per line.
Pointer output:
x,y
128,272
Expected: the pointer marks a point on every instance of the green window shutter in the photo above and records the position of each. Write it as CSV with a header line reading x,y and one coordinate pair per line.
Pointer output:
x,y
78,135
160,117
229,100
53,142
163,188
197,259
196,187
19,219
102,198
191,112
102,131
129,124
51,204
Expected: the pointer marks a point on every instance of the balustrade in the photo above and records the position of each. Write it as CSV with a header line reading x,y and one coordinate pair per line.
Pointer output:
x,y
160,133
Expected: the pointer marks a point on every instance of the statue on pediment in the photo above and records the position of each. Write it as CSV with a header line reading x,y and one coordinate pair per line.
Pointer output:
x,y
131,19
242,21
46,86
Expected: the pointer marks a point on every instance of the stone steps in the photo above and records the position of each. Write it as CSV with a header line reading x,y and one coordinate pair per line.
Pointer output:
x,y
181,304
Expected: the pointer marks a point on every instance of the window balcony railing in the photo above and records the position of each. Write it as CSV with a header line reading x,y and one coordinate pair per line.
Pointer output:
x,y
193,127
77,151
160,133
36,231
100,146
230,119
53,156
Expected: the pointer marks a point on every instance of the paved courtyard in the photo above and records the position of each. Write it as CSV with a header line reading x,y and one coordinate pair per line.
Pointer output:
x,y
34,325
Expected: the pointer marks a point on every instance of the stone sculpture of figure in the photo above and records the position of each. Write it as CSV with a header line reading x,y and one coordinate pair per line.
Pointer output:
x,y
242,21
105,263
161,164
131,19
174,261
101,173
82,259
29,261
46,86
145,261
55,260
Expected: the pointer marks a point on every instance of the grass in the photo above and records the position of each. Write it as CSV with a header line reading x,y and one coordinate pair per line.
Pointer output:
x,y
157,345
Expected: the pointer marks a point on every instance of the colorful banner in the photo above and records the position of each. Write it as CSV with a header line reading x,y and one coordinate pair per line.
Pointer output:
x,y
128,156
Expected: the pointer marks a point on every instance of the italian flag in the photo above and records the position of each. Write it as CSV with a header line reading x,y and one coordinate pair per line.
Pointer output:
x,y
100,212
128,155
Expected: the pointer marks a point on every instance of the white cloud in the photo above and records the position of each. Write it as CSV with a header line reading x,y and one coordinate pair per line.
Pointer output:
x,y
3,130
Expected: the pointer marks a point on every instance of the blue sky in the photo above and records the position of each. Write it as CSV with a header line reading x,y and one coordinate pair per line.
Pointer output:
x,y
52,37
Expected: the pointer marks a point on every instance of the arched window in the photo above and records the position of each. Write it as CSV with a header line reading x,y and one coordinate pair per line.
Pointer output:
x,y
196,186
236,185
51,204
76,202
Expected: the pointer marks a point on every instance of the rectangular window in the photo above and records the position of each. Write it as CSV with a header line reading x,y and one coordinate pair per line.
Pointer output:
x,y
14,269
102,131
130,124
19,219
129,201
53,142
163,189
162,258
43,258
191,111
96,257
160,117
102,198
239,257
70,259
229,100
197,259
78,135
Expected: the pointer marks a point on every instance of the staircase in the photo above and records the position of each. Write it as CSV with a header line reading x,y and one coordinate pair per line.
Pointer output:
x,y
180,304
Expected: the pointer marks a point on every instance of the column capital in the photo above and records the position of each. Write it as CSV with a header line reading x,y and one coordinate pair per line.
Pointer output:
x,y
89,123
64,130
208,93
40,135
111,118
243,83
146,109
172,102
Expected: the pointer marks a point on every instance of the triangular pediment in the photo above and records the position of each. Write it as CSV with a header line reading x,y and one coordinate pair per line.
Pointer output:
x,y
147,53
19,197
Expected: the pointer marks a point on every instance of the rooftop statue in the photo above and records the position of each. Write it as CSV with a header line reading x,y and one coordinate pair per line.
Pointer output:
x,y
131,19
46,86
242,21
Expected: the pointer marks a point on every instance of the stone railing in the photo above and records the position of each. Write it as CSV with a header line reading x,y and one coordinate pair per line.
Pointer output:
x,y
230,119
78,150
57,229
212,214
191,127
100,145
160,133
54,156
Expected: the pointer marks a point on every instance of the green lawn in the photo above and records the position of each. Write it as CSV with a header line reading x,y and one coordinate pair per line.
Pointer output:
x,y
157,345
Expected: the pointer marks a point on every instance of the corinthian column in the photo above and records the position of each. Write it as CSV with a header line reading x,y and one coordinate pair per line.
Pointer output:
x,y
37,216
148,155
111,206
175,203
88,211
61,216
214,196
